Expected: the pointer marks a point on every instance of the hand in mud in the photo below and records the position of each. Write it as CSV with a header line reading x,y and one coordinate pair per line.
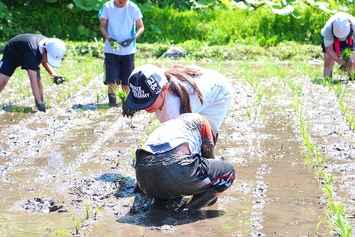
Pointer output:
x,y
40,107
127,42
58,79
126,111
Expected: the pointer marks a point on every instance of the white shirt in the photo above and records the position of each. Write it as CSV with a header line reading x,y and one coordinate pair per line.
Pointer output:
x,y
120,25
217,95
170,135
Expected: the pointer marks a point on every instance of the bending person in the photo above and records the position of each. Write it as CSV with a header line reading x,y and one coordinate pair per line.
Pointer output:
x,y
28,51
180,90
337,35
178,160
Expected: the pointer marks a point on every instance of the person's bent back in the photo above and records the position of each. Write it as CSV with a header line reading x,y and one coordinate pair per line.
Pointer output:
x,y
178,160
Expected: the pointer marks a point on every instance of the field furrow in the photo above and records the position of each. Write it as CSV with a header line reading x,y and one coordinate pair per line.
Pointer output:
x,y
78,157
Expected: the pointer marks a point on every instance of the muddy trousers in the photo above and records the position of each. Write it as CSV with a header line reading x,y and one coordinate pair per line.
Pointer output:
x,y
167,176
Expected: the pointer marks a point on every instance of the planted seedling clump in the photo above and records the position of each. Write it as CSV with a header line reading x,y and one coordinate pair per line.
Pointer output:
x,y
346,56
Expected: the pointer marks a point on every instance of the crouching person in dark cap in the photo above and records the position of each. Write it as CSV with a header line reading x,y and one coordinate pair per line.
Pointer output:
x,y
178,160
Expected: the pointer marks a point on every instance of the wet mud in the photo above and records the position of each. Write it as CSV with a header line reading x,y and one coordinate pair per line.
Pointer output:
x,y
69,171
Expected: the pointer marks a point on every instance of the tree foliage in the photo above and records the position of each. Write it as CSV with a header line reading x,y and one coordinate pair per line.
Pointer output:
x,y
216,22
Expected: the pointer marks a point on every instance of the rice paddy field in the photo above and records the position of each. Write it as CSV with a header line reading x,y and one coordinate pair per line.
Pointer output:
x,y
289,134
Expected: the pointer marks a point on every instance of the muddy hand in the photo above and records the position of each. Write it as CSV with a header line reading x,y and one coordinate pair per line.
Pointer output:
x,y
126,111
40,107
58,79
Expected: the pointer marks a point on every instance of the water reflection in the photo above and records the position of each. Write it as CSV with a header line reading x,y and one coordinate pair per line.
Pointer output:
x,y
55,163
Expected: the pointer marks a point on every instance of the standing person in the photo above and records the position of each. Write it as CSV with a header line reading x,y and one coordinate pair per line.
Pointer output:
x,y
178,159
337,34
179,90
28,51
118,22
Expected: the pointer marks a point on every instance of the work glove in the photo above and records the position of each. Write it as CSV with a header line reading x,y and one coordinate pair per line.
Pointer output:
x,y
126,111
40,106
115,44
127,42
58,79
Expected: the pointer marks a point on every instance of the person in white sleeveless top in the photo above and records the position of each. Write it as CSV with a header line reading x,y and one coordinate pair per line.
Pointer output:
x,y
179,90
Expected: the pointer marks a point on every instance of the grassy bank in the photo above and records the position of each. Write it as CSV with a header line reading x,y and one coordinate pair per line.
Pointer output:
x,y
200,51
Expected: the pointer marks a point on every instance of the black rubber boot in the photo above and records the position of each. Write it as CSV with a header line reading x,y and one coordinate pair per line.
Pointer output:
x,y
112,99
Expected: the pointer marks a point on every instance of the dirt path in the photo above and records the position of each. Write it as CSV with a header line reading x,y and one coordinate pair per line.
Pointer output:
x,y
76,160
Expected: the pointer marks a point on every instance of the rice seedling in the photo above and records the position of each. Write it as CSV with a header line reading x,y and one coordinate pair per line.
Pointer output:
x,y
87,210
340,226
98,209
97,96
119,93
339,91
259,95
133,155
346,56
296,104
247,111
76,87
104,90
61,233
76,224
153,124
335,215
86,81
60,97
107,149
68,93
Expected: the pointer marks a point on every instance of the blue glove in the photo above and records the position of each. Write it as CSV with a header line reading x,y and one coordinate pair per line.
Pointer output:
x,y
58,79
127,42
41,107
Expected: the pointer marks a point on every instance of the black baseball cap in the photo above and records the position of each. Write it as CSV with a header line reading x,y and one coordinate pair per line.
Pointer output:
x,y
145,82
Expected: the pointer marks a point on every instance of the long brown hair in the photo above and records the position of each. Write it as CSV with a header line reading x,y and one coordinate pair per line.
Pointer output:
x,y
176,76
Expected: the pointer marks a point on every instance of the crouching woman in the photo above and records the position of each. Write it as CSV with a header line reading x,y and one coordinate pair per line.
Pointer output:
x,y
178,160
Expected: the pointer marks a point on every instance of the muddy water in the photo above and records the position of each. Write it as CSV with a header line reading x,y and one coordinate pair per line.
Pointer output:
x,y
75,161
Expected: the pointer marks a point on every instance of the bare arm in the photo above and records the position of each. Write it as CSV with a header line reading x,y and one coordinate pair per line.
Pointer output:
x,y
333,55
48,68
103,24
140,28
46,65
36,85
